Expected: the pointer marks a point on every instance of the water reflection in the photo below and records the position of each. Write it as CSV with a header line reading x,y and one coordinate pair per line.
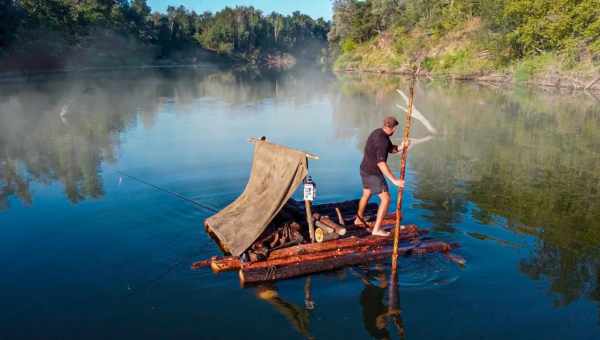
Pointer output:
x,y
62,129
377,313
518,159
530,158
298,317
378,301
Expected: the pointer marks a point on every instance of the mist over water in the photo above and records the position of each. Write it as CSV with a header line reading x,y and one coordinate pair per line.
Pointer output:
x,y
511,175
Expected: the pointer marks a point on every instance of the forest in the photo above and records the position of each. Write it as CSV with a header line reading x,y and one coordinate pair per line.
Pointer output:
x,y
546,41
66,34
468,37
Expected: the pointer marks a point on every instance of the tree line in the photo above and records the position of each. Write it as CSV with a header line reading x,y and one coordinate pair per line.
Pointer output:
x,y
52,33
510,29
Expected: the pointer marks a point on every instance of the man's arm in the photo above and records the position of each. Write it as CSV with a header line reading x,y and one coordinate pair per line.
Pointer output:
x,y
385,170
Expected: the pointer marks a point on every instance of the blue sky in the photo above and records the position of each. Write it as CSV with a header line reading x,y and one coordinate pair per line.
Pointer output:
x,y
314,8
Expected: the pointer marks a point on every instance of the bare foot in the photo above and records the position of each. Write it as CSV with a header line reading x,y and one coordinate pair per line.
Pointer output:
x,y
359,223
379,232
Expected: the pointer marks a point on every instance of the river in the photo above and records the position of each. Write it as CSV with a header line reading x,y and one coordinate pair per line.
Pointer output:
x,y
511,174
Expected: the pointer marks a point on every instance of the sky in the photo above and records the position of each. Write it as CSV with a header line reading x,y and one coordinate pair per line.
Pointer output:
x,y
314,8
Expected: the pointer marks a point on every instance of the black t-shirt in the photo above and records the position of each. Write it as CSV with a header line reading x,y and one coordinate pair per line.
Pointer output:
x,y
376,150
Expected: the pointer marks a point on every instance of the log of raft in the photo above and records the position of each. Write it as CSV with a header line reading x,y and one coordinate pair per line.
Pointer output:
x,y
224,263
230,263
340,230
311,263
324,222
324,226
323,234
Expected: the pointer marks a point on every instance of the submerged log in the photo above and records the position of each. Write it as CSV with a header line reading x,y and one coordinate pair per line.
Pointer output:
x,y
456,259
230,263
311,263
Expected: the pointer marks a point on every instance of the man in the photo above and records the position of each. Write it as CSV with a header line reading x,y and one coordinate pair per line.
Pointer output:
x,y
373,169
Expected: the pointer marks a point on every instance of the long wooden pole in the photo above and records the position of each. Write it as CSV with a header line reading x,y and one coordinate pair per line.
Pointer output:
x,y
406,135
309,221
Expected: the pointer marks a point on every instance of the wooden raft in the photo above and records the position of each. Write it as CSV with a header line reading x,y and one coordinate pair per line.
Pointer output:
x,y
355,247
220,264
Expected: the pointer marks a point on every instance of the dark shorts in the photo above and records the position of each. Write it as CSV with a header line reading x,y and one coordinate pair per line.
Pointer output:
x,y
375,183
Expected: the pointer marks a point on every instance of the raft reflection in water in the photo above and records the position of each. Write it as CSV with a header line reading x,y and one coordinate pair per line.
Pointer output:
x,y
297,316
376,314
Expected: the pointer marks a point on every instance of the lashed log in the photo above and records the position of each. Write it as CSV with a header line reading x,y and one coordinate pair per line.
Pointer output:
x,y
231,263
418,248
386,224
311,263
202,264
223,263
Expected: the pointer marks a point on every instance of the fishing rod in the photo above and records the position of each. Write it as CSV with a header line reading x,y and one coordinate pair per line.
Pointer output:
x,y
178,195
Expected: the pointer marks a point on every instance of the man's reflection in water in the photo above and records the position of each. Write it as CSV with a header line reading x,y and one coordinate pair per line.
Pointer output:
x,y
297,316
376,313
372,300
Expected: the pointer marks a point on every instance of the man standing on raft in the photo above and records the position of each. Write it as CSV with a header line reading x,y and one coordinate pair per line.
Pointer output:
x,y
373,168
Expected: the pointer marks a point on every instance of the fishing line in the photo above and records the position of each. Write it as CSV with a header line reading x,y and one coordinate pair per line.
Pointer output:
x,y
146,285
178,195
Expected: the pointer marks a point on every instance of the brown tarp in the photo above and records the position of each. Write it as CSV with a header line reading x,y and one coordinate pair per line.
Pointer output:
x,y
276,173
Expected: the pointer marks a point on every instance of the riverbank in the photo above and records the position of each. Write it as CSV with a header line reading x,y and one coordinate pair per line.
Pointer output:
x,y
468,52
548,80
276,61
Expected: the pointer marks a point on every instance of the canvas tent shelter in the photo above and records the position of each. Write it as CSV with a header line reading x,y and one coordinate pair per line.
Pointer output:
x,y
276,173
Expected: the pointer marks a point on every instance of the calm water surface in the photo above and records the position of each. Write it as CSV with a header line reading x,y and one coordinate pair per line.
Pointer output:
x,y
511,175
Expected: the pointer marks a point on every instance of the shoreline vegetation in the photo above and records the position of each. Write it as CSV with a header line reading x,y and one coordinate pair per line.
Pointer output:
x,y
533,42
38,36
547,43
493,79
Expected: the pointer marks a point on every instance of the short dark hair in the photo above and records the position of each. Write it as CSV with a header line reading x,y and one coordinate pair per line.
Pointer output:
x,y
390,122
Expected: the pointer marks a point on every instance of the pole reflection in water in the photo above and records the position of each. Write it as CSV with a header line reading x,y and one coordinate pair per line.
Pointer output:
x,y
309,303
297,316
394,313
372,300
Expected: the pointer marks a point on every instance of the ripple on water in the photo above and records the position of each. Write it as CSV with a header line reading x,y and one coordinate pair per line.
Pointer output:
x,y
414,273
426,272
